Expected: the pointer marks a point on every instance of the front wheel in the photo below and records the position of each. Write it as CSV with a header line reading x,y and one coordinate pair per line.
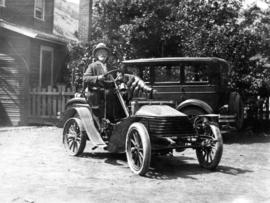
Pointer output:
x,y
138,149
211,147
74,138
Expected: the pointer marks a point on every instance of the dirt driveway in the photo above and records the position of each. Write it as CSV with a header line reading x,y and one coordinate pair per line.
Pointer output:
x,y
35,168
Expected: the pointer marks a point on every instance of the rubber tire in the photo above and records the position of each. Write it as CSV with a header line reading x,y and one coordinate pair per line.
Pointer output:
x,y
146,145
219,150
236,106
82,135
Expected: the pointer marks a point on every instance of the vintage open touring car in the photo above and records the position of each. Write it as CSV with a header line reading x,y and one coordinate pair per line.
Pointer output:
x,y
145,127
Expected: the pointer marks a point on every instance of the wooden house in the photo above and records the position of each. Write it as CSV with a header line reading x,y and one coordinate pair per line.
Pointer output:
x,y
30,55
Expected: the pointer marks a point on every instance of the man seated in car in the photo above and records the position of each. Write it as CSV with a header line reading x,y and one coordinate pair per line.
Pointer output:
x,y
97,85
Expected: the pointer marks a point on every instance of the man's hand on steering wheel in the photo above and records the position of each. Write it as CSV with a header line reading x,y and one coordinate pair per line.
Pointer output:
x,y
110,78
135,84
101,78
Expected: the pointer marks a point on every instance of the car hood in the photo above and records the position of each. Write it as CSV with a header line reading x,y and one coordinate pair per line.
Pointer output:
x,y
159,111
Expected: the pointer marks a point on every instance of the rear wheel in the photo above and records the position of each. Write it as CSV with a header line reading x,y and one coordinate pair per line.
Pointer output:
x,y
138,149
236,106
74,138
210,152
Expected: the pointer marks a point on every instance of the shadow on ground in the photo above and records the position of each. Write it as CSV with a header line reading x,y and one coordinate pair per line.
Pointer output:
x,y
167,167
114,159
246,137
178,167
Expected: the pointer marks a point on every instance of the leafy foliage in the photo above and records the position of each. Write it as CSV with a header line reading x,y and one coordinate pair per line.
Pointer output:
x,y
149,28
78,60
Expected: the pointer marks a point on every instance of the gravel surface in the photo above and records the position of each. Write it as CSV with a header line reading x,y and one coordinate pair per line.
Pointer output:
x,y
34,167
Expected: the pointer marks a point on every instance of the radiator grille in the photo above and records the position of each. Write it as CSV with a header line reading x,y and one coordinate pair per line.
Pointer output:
x,y
168,126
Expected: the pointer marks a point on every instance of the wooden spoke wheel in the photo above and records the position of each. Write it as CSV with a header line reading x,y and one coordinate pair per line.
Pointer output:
x,y
74,138
138,149
210,151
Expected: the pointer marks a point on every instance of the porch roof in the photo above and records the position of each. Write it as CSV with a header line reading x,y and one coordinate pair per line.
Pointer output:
x,y
35,34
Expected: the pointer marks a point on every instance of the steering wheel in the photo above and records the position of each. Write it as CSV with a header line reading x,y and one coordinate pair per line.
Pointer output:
x,y
111,76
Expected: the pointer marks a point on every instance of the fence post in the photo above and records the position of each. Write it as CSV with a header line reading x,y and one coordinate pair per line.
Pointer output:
x,y
33,102
43,102
49,101
54,101
59,97
38,101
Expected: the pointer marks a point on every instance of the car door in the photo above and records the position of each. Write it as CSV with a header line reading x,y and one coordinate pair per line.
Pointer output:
x,y
166,80
199,84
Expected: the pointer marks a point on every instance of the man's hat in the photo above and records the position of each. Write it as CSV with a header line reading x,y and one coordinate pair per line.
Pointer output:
x,y
100,46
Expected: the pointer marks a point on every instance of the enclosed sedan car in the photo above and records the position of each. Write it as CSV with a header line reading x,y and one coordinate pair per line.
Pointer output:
x,y
197,85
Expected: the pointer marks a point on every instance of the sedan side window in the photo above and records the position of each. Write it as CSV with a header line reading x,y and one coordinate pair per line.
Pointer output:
x,y
145,74
141,71
196,74
167,73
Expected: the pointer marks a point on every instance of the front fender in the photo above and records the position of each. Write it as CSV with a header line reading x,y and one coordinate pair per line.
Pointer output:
x,y
64,116
76,100
69,109
87,119
195,102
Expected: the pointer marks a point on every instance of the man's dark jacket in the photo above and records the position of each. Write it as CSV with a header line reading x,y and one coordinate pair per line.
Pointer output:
x,y
90,76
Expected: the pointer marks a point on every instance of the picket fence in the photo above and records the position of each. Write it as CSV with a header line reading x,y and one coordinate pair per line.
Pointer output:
x,y
47,103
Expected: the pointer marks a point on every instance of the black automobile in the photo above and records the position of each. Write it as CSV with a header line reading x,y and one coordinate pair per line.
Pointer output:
x,y
197,85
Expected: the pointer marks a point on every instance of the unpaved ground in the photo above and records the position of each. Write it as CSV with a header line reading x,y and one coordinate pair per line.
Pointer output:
x,y
35,168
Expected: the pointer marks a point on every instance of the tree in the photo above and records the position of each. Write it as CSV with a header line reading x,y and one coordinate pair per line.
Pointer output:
x,y
150,28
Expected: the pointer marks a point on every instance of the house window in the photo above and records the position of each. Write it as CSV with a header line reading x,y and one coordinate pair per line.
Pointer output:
x,y
2,3
46,66
39,9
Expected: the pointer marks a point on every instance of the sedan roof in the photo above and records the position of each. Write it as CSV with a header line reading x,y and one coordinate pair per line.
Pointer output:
x,y
177,59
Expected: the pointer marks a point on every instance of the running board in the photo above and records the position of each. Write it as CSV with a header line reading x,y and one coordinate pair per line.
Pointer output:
x,y
227,119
